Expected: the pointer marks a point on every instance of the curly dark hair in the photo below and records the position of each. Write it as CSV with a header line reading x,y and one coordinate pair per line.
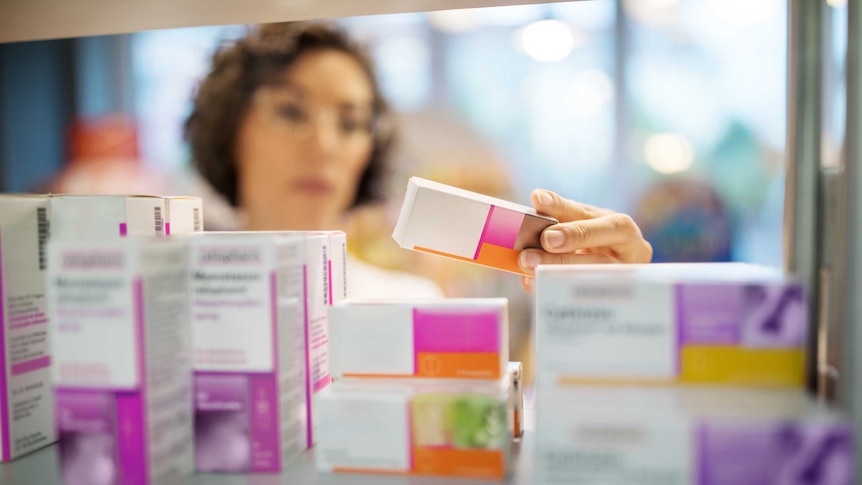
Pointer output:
x,y
256,60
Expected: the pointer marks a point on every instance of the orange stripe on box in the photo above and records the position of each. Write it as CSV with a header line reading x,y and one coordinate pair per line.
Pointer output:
x,y
499,257
459,463
369,471
466,365
517,425
490,255
378,376
615,381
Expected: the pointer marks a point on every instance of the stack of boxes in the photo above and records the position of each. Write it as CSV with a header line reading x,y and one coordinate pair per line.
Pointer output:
x,y
678,374
420,388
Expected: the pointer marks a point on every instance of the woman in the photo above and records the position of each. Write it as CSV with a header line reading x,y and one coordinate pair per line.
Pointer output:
x,y
290,127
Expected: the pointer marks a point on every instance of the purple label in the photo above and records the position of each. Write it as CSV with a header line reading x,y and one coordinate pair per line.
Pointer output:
x,y
462,330
788,453
709,314
132,438
774,315
87,440
123,229
222,435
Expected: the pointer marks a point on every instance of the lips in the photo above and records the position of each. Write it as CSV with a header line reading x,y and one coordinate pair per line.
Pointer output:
x,y
313,186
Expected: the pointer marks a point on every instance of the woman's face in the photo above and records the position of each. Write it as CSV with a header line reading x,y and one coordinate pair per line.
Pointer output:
x,y
304,143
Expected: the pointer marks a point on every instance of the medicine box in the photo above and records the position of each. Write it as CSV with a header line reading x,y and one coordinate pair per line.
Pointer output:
x,y
446,338
26,398
463,225
249,351
458,430
122,372
731,324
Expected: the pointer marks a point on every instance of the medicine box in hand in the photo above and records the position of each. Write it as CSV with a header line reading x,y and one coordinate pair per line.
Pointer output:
x,y
463,225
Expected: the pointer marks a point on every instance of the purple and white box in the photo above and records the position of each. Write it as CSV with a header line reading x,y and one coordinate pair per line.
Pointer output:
x,y
728,323
185,215
26,400
122,349
607,435
249,350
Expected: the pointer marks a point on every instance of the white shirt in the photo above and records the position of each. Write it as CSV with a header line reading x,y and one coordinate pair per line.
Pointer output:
x,y
368,281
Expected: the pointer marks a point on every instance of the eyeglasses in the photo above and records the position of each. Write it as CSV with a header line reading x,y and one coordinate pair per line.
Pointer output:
x,y
293,113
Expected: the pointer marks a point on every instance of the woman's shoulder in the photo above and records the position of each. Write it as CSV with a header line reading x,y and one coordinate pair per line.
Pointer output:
x,y
365,280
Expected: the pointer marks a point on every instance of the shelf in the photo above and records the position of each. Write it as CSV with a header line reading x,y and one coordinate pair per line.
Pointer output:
x,y
22,20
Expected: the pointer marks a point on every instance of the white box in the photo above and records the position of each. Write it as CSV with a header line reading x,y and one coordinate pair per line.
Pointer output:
x,y
727,323
463,225
97,217
184,215
423,428
316,295
122,373
460,338
609,435
249,351
26,400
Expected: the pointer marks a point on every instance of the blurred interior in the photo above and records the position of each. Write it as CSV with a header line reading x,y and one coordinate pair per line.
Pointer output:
x,y
670,110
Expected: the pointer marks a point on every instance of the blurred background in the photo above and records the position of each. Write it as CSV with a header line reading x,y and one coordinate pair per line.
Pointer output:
x,y
670,110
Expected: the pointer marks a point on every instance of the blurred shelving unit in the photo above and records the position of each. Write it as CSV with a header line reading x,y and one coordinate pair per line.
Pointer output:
x,y
823,206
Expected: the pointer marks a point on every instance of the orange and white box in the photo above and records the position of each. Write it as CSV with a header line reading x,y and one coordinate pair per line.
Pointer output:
x,y
457,429
456,223
185,215
461,338
516,373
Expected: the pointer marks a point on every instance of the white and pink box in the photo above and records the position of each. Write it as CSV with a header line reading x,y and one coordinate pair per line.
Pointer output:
x,y
627,435
122,350
453,338
184,215
248,336
95,217
26,400
466,226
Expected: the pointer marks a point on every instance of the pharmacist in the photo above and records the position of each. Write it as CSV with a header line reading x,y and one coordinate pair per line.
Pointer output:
x,y
290,127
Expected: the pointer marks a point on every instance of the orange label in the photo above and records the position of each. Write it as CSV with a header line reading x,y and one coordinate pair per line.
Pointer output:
x,y
459,463
489,255
468,365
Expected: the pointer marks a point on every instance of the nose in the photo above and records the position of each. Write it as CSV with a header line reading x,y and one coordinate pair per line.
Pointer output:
x,y
324,135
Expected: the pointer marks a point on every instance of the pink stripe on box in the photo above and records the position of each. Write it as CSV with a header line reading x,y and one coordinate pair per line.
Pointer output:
x,y
308,434
123,230
456,331
411,441
322,382
5,435
265,428
484,232
31,365
167,229
273,309
132,438
503,227
329,269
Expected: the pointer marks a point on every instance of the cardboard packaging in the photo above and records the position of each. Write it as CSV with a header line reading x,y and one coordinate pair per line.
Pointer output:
x,y
404,427
732,324
249,351
26,399
463,225
122,373
447,338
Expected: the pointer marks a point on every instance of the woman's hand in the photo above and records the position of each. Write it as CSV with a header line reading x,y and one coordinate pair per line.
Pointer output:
x,y
585,235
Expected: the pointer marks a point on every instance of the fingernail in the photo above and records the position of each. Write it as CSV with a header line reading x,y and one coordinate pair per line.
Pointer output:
x,y
529,259
544,197
554,238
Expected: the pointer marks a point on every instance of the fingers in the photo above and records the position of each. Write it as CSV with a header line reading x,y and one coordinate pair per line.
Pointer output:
x,y
617,231
529,284
562,209
530,258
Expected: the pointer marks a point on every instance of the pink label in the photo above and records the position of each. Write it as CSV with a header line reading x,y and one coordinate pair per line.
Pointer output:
x,y
456,331
309,437
5,435
31,365
502,227
167,229
123,229
322,382
266,449
132,438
